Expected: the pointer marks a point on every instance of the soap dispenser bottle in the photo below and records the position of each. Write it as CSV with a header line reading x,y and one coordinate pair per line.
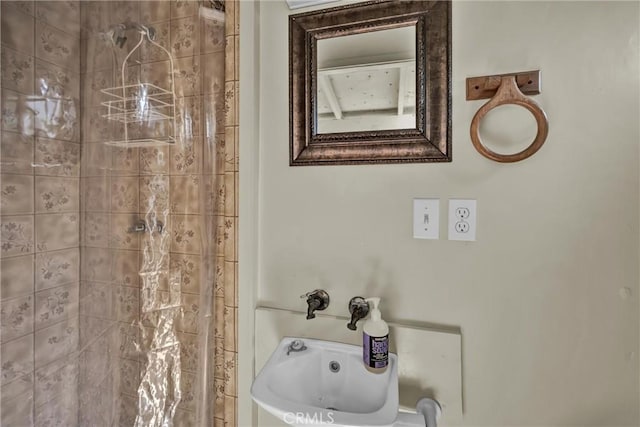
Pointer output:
x,y
375,339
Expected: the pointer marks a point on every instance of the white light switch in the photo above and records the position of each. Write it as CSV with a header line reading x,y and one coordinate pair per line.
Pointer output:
x,y
462,219
426,218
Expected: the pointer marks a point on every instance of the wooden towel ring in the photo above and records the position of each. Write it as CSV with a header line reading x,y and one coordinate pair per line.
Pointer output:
x,y
509,93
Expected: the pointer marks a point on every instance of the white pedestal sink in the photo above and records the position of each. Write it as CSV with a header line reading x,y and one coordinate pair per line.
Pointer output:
x,y
310,382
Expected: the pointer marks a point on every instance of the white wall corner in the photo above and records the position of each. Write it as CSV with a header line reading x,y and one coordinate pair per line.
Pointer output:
x,y
248,262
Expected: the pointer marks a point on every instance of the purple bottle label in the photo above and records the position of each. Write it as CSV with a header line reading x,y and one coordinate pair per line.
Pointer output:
x,y
376,351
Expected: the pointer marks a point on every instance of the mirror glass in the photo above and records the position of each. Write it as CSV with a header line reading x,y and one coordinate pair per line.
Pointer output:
x,y
367,81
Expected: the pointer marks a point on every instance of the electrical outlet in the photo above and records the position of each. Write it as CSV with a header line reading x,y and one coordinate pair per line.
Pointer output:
x,y
426,218
462,219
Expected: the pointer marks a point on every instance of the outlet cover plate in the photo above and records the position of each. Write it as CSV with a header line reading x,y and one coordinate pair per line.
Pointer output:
x,y
426,219
463,215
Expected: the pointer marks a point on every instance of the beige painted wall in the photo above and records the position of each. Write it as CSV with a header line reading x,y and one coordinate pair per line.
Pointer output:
x,y
548,335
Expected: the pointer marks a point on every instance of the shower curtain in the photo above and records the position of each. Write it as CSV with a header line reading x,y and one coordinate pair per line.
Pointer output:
x,y
122,324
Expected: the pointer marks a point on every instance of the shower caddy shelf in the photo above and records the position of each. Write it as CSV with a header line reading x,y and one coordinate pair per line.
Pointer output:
x,y
143,102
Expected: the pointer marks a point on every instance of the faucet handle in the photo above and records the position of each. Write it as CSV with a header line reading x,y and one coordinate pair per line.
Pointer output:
x,y
359,308
317,300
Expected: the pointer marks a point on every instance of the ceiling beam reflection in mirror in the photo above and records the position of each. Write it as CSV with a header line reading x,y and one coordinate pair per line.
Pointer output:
x,y
362,81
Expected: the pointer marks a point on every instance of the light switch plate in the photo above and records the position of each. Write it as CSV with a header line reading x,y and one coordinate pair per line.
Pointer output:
x,y
463,215
426,218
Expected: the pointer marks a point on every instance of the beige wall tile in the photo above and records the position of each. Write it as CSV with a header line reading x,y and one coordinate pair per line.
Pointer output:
x,y
57,268
17,403
96,300
93,160
186,156
96,194
17,235
188,79
229,238
154,160
236,55
229,329
92,83
55,194
152,53
93,56
57,231
229,284
154,193
125,10
188,117
229,58
121,236
96,264
184,418
56,158
17,113
187,320
95,230
213,74
124,161
16,153
16,194
188,388
17,276
186,234
126,303
212,36
17,71
56,379
185,37
63,15
128,376
185,194
17,359
229,21
57,47
17,29
189,351
230,364
189,268
154,11
218,411
229,411
16,316
55,304
124,268
230,194
26,6
124,194
180,8
229,103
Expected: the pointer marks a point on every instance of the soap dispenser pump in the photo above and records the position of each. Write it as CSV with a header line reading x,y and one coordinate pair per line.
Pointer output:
x,y
375,339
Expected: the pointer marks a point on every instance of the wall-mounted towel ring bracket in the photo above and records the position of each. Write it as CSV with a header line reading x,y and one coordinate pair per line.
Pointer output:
x,y
507,89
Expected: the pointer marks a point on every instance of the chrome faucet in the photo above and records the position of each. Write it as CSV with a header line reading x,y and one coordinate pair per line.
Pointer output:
x,y
359,308
317,300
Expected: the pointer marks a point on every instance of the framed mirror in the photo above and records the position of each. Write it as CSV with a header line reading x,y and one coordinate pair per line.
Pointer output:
x,y
371,83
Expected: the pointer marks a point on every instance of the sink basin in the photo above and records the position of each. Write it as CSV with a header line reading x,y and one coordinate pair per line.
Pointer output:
x,y
318,382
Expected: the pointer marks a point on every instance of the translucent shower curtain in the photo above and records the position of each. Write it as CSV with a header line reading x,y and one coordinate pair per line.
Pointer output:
x,y
146,352
109,213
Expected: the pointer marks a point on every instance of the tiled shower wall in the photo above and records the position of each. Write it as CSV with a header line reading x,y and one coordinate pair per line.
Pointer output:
x,y
227,298
123,186
40,155
48,351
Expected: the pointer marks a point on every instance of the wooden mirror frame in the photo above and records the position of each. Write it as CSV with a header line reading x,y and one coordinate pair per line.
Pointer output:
x,y
429,141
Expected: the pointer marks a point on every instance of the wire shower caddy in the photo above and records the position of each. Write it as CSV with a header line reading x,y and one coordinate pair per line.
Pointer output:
x,y
143,102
